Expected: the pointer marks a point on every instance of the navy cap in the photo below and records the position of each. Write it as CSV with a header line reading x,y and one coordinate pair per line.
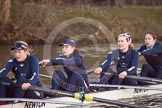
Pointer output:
x,y
68,42
20,45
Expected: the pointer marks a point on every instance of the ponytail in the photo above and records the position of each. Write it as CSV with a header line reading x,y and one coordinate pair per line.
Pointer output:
x,y
131,46
77,52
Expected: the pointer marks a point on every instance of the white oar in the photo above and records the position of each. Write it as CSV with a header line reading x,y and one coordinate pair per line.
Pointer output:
x,y
41,100
125,86
46,76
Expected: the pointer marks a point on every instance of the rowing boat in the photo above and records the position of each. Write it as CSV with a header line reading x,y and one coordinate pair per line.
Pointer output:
x,y
117,94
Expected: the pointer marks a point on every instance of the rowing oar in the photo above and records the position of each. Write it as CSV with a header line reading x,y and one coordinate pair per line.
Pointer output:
x,y
86,97
125,86
46,76
137,77
81,96
92,71
111,71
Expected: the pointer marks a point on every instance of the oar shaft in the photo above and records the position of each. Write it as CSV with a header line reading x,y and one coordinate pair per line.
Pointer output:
x,y
92,71
45,90
124,86
88,97
117,103
51,91
137,77
46,76
145,78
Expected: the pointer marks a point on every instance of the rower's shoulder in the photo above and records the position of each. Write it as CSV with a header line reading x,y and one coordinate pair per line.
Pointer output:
x,y
134,51
32,58
157,44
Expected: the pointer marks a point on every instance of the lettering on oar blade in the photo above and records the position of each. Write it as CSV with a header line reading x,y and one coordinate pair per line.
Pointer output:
x,y
34,104
139,90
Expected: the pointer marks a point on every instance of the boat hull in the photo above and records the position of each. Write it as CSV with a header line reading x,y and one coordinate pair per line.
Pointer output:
x,y
111,95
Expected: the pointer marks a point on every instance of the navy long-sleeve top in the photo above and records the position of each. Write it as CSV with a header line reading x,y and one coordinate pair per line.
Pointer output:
x,y
127,61
28,68
152,55
73,63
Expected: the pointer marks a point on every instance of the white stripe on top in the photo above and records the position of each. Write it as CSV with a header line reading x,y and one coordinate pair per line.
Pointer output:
x,y
60,58
33,76
130,69
104,62
2,70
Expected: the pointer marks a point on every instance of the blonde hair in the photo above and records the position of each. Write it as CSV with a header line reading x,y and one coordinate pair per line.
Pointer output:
x,y
131,46
24,43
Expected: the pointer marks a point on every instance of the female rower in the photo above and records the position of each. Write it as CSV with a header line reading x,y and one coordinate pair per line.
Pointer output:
x,y
26,70
76,76
126,60
152,52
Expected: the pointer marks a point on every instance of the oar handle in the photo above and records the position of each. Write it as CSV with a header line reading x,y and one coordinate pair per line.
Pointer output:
x,y
40,89
137,77
92,71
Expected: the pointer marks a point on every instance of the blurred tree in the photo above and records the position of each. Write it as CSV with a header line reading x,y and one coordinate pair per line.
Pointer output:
x,y
112,2
120,3
5,6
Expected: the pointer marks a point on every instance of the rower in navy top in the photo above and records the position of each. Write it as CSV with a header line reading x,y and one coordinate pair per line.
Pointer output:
x,y
74,68
152,52
26,70
126,60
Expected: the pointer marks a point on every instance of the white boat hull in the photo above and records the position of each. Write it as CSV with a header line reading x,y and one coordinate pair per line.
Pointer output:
x,y
127,93
66,100
111,95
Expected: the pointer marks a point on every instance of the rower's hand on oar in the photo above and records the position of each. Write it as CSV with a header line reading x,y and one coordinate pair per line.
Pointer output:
x,y
122,75
25,86
44,62
98,70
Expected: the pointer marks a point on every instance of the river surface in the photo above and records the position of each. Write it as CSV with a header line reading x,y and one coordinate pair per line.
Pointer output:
x,y
93,57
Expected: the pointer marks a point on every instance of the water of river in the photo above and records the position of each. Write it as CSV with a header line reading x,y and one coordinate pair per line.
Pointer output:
x,y
93,57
